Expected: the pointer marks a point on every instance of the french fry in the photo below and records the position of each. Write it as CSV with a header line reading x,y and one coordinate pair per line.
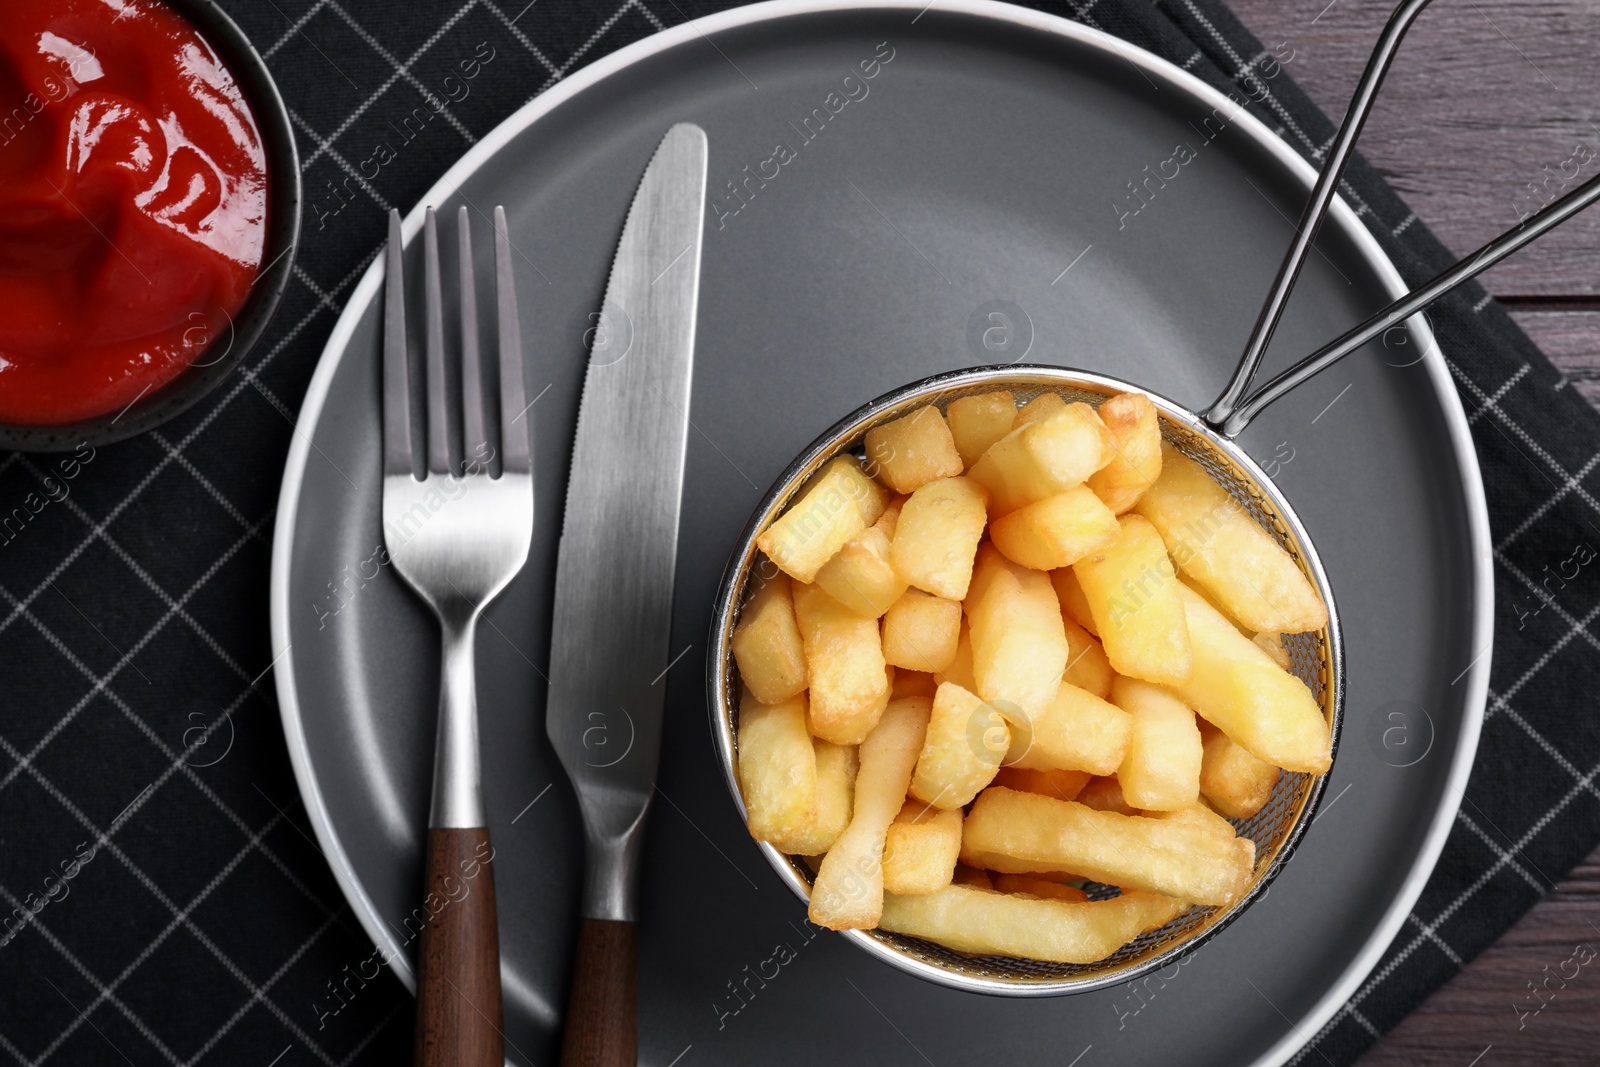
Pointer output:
x,y
1024,833
1087,665
1035,886
840,503
1076,731
1105,794
912,684
1019,646
913,450
859,575
919,852
1161,771
921,631
1063,785
976,422
767,645
848,890
1214,540
965,742
1043,458
844,661
1074,605
777,768
1056,531
1136,432
1040,407
1236,783
979,921
1132,592
960,669
1237,688
937,534
836,786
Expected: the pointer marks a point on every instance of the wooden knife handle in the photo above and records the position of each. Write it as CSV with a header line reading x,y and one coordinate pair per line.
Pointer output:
x,y
458,971
602,1028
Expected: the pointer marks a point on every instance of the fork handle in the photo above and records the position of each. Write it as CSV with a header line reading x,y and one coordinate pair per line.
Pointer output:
x,y
458,973
602,1028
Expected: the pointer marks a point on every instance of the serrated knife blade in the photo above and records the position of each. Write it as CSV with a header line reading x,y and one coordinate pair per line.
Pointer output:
x,y
614,571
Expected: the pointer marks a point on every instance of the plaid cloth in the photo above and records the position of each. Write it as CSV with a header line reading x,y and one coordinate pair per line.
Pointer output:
x,y
145,793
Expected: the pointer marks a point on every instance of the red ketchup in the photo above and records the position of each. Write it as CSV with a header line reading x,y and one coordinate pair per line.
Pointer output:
x,y
133,204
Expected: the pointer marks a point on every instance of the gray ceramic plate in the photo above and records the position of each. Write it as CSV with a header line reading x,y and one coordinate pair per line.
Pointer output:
x,y
991,151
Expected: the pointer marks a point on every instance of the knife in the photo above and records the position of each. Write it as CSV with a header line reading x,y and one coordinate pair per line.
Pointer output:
x,y
614,573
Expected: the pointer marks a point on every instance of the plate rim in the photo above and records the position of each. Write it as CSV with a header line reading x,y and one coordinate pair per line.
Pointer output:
x,y
1476,674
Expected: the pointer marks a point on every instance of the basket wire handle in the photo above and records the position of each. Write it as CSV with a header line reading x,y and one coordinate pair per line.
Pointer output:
x,y
1232,411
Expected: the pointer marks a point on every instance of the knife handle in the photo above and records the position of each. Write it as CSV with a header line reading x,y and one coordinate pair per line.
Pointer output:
x,y
458,970
602,1028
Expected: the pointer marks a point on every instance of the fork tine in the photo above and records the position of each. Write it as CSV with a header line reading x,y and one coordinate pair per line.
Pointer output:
x,y
438,420
514,430
474,440
396,395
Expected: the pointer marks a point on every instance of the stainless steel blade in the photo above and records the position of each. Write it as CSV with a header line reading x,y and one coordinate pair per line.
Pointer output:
x,y
619,540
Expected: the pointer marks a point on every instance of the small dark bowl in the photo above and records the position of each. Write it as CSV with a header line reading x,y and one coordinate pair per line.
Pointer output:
x,y
283,241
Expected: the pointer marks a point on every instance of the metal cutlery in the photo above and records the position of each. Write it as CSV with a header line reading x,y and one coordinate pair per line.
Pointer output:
x,y
457,533
614,578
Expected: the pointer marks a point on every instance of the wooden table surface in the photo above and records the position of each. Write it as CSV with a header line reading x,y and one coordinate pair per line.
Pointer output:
x,y
1485,94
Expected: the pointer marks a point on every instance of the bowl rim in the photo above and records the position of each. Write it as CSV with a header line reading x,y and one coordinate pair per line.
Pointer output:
x,y
838,439
284,199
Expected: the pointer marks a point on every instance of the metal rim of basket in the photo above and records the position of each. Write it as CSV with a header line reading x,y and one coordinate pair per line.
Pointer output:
x,y
1162,947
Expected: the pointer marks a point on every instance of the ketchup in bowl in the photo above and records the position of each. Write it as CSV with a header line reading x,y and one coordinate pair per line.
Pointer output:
x,y
133,204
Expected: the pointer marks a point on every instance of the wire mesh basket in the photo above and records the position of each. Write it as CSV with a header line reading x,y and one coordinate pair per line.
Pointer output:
x,y
1315,658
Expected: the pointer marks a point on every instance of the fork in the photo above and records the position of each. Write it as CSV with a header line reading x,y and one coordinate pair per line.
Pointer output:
x,y
457,534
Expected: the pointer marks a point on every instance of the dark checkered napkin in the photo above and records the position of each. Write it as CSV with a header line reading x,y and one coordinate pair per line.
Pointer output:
x,y
177,909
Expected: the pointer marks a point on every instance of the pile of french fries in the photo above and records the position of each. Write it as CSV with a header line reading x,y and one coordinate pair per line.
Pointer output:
x,y
1013,652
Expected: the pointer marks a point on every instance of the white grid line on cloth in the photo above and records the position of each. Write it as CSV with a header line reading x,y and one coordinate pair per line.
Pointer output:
x,y
1549,749
429,97
16,1052
1538,513
110,987
188,923
177,763
259,996
103,994
1541,593
127,657
1495,397
1494,846
1581,626
1365,1022
1439,943
150,583
364,106
1483,302
522,38
205,483
295,27
605,27
1526,438
650,16
1404,224
338,157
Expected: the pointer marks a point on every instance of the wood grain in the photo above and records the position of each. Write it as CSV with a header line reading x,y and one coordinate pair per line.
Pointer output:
x,y
458,980
602,1027
1484,95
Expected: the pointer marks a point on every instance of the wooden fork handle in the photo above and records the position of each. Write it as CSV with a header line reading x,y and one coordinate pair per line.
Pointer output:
x,y
602,1028
458,971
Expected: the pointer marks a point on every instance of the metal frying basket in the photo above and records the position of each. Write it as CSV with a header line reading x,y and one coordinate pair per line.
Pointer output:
x,y
1316,658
